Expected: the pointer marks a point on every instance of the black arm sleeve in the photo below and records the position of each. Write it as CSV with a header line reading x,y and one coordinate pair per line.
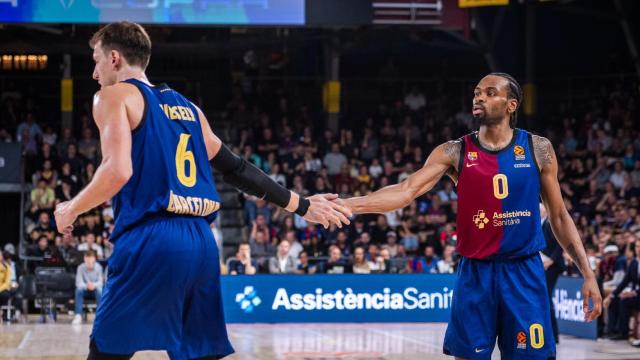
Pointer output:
x,y
246,177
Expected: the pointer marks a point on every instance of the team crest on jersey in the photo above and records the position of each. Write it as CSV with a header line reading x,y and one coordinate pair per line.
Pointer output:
x,y
519,152
522,340
472,155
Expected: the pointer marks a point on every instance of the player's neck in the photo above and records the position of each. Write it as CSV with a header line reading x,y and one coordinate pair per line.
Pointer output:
x,y
132,73
495,137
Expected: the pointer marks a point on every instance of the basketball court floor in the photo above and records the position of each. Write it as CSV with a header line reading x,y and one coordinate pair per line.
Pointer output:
x,y
291,341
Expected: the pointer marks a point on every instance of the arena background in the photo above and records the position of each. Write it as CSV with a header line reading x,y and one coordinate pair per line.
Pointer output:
x,y
281,82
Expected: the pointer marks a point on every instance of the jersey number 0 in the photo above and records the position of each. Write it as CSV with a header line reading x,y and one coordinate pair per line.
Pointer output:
x,y
184,156
500,186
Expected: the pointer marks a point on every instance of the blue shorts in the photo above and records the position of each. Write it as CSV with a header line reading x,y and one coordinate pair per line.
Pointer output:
x,y
507,299
163,292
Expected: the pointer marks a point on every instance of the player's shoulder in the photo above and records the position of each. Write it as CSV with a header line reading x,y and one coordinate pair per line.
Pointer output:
x,y
121,92
540,143
542,150
449,152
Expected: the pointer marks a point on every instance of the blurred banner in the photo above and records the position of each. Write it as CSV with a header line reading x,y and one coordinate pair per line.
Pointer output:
x,y
474,3
209,12
337,298
567,300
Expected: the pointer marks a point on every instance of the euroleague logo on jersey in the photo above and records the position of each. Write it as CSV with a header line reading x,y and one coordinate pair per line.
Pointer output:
x,y
522,340
518,151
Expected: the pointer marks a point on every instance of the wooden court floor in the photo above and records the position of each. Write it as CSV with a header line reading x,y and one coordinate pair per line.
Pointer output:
x,y
291,341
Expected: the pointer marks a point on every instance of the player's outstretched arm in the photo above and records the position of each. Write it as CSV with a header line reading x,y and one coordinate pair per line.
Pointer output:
x,y
246,177
441,160
562,224
110,114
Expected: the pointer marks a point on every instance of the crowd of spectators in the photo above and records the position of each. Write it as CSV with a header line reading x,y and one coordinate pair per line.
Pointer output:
x,y
597,145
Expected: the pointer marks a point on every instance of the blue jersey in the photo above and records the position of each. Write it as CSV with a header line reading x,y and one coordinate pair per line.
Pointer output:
x,y
171,171
498,199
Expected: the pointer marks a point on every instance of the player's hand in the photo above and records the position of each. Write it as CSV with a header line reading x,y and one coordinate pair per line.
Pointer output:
x,y
325,211
65,218
590,292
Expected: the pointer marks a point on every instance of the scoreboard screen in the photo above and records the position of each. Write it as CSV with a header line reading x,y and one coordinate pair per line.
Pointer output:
x,y
182,12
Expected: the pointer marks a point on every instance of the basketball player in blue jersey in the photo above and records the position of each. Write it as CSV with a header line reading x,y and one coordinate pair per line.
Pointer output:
x,y
163,288
501,173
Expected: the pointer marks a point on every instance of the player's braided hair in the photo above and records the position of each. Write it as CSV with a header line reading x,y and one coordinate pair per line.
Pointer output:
x,y
515,92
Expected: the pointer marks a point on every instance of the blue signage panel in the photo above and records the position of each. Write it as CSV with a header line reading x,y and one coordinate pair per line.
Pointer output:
x,y
370,298
567,300
337,298
211,12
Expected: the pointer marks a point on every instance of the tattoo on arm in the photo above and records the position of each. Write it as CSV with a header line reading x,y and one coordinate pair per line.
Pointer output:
x,y
543,150
452,150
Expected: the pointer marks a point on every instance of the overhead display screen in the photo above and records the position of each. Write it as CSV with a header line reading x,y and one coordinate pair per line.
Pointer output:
x,y
182,12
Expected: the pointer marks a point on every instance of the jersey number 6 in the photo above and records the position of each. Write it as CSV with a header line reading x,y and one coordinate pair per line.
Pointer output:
x,y
184,156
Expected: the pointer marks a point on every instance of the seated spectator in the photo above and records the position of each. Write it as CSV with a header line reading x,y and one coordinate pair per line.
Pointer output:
x,y
46,173
360,264
44,228
425,264
5,280
261,249
374,258
627,294
362,241
294,245
243,264
88,146
343,245
282,263
89,281
63,191
336,264
43,251
315,247
385,261
392,243
372,252
447,265
409,239
344,181
448,236
375,169
436,214
380,230
448,194
43,196
304,267
89,243
68,249
334,160
606,268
